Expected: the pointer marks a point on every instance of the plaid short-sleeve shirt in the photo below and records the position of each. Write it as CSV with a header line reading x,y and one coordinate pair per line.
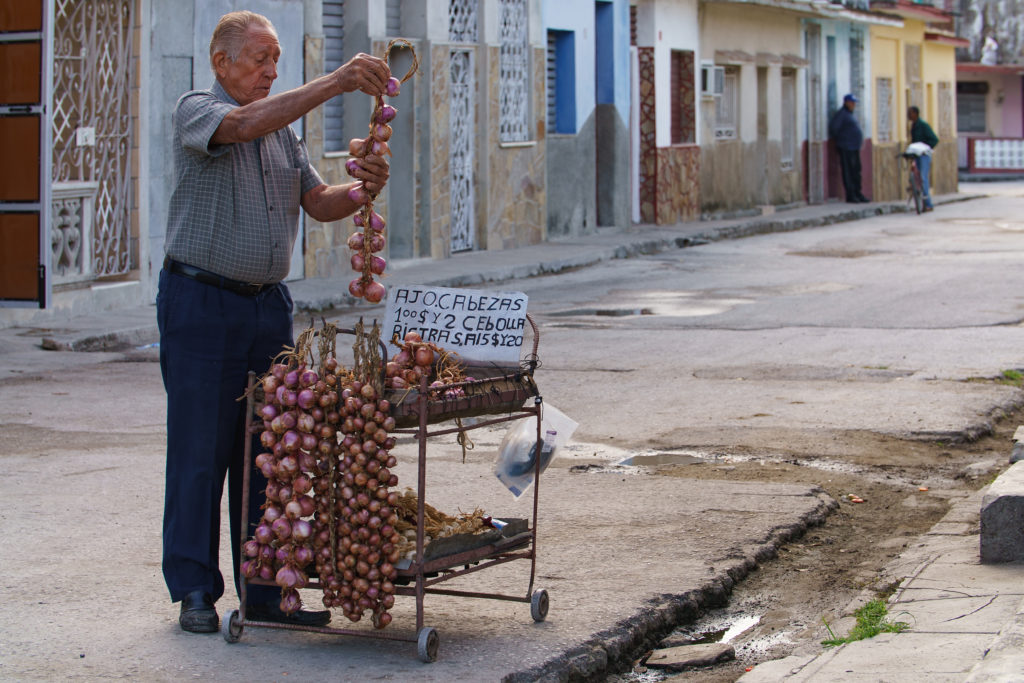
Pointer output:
x,y
235,208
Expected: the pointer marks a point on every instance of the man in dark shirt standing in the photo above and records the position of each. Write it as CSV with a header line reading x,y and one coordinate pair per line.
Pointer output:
x,y
920,131
845,130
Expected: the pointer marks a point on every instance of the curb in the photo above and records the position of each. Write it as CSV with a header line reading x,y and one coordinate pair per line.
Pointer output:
x,y
614,649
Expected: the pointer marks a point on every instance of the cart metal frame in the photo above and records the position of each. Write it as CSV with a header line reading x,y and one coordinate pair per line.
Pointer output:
x,y
424,575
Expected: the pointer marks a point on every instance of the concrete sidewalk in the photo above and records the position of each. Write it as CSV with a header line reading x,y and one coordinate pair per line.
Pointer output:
x,y
117,330
966,619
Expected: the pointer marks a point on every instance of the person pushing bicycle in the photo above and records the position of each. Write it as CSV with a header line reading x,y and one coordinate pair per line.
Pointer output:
x,y
921,132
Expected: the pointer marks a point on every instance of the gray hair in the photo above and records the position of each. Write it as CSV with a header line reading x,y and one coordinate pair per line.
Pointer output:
x,y
229,36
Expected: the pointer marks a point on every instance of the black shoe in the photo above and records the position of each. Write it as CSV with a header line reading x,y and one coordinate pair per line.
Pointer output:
x,y
198,614
863,200
272,612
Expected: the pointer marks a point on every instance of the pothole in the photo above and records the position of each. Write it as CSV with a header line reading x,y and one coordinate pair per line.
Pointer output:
x,y
658,459
607,312
837,253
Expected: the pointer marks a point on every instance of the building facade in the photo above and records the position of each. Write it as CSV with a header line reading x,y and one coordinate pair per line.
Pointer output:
x,y
587,115
912,64
990,87
665,151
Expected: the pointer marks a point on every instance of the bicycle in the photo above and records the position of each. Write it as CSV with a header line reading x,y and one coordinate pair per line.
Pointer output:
x,y
915,186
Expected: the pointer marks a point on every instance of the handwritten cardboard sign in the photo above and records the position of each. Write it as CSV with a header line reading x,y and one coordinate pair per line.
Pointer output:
x,y
478,325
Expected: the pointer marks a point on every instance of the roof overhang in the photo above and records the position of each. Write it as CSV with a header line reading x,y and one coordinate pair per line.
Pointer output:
x,y
976,68
946,38
911,10
818,9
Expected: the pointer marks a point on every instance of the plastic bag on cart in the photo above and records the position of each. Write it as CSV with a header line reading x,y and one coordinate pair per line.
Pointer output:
x,y
517,454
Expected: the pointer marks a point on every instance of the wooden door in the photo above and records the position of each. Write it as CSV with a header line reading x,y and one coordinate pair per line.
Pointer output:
x,y
24,127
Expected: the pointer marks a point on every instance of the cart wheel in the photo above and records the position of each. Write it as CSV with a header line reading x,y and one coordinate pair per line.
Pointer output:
x,y
231,626
427,641
539,605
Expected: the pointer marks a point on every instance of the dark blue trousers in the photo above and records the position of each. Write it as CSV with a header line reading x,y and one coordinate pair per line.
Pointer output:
x,y
209,340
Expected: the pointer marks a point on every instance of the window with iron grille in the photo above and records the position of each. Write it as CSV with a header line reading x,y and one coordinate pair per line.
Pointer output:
x,y
883,106
945,103
393,17
857,64
632,25
727,105
514,69
462,21
970,106
561,82
334,57
683,107
788,118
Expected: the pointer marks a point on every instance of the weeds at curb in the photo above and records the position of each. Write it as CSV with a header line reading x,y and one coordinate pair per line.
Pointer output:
x,y
871,620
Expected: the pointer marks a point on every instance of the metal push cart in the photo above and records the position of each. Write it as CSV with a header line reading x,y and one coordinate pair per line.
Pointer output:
x,y
503,394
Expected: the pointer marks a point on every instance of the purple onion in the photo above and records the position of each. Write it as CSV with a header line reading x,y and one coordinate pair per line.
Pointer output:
x,y
393,87
304,555
376,224
358,194
386,114
290,601
281,528
301,530
291,441
272,513
287,578
263,534
305,421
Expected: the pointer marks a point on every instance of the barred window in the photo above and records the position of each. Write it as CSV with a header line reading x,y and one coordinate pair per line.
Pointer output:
x,y
883,104
727,105
462,21
393,17
971,116
945,107
788,118
561,82
514,68
334,57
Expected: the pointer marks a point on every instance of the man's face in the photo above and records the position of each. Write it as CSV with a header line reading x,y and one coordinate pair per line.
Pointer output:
x,y
851,105
249,77
912,115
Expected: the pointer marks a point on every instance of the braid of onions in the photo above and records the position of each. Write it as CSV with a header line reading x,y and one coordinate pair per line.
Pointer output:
x,y
368,242
329,505
294,423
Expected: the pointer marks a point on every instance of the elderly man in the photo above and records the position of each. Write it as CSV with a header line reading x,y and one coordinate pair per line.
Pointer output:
x,y
845,130
241,175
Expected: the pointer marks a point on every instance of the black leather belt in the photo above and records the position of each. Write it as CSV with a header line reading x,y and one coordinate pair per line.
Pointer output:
x,y
214,280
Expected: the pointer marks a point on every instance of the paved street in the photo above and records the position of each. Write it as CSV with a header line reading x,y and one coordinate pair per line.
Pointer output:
x,y
794,344
773,341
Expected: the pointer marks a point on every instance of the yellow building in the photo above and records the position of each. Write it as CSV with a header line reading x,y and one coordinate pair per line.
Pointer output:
x,y
912,65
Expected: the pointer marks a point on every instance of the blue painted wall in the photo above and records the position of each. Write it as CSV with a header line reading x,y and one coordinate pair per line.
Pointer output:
x,y
602,75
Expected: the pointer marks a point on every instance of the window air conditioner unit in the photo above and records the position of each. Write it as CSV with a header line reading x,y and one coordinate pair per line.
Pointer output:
x,y
712,80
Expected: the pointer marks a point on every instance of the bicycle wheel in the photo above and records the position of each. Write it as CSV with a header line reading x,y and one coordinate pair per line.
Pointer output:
x,y
916,188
